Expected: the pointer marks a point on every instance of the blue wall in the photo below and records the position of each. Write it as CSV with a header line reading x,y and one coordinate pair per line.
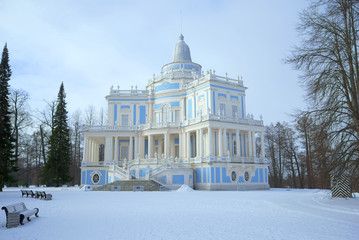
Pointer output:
x,y
205,175
218,174
198,175
88,177
115,114
255,177
225,178
166,86
212,174
175,104
266,175
83,177
142,114
190,109
178,179
214,103
242,107
162,180
241,179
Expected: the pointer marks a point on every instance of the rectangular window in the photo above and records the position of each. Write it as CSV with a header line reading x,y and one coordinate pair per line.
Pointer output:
x,y
142,114
235,147
189,109
234,111
124,120
177,151
157,117
177,116
201,110
124,152
222,108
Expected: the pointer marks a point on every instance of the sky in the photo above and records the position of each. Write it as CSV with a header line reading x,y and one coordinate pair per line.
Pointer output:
x,y
91,45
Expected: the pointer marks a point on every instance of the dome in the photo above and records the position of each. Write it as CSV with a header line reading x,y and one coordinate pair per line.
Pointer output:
x,y
181,53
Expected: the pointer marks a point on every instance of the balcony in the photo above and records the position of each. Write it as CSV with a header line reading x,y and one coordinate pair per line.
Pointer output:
x,y
147,126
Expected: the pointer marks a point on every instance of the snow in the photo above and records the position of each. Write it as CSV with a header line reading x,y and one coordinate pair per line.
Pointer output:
x,y
273,214
185,188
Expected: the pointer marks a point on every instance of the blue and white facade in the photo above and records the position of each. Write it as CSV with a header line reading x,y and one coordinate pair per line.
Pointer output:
x,y
186,127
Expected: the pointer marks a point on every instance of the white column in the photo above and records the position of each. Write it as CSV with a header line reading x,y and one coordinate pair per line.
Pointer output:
x,y
182,110
238,147
136,145
209,141
116,150
200,142
94,151
262,146
167,145
183,147
254,144
197,143
150,115
140,144
96,159
188,145
149,146
180,146
225,142
250,154
108,149
130,152
220,142
91,150
243,145
86,152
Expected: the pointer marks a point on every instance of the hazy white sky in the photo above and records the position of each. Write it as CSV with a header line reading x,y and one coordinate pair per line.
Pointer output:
x,y
91,45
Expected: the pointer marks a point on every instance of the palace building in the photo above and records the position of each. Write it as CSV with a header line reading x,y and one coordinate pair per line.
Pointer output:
x,y
186,127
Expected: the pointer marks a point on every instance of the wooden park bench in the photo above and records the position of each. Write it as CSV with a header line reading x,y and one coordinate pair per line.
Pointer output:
x,y
27,193
16,213
45,196
23,193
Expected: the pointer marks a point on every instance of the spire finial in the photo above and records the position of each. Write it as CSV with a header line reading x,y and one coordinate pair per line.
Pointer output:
x,y
181,19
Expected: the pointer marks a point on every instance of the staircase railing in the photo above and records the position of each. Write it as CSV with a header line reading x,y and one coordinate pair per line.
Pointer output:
x,y
120,171
157,171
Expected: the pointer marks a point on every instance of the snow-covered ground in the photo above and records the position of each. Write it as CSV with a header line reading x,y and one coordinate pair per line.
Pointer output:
x,y
185,214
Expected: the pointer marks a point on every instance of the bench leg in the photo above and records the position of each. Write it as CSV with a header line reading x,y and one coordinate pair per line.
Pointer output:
x,y
22,219
37,213
28,219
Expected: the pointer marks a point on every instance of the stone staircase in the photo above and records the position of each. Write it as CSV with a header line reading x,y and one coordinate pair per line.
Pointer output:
x,y
128,185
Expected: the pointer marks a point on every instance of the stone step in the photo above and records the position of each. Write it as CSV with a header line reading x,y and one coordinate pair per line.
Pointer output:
x,y
128,185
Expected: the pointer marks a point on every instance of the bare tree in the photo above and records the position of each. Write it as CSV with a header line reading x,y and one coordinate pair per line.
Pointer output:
x,y
45,118
76,143
274,139
304,127
20,113
90,116
328,59
47,115
102,117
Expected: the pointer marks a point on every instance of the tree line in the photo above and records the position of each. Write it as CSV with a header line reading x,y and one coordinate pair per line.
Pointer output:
x,y
323,140
39,147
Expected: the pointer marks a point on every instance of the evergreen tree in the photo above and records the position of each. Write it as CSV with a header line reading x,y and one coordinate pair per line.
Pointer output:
x,y
57,168
7,160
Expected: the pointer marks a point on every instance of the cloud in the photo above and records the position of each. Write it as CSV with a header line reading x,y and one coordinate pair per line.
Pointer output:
x,y
91,45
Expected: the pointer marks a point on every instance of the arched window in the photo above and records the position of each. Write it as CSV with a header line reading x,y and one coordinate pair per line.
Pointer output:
x,y
166,113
